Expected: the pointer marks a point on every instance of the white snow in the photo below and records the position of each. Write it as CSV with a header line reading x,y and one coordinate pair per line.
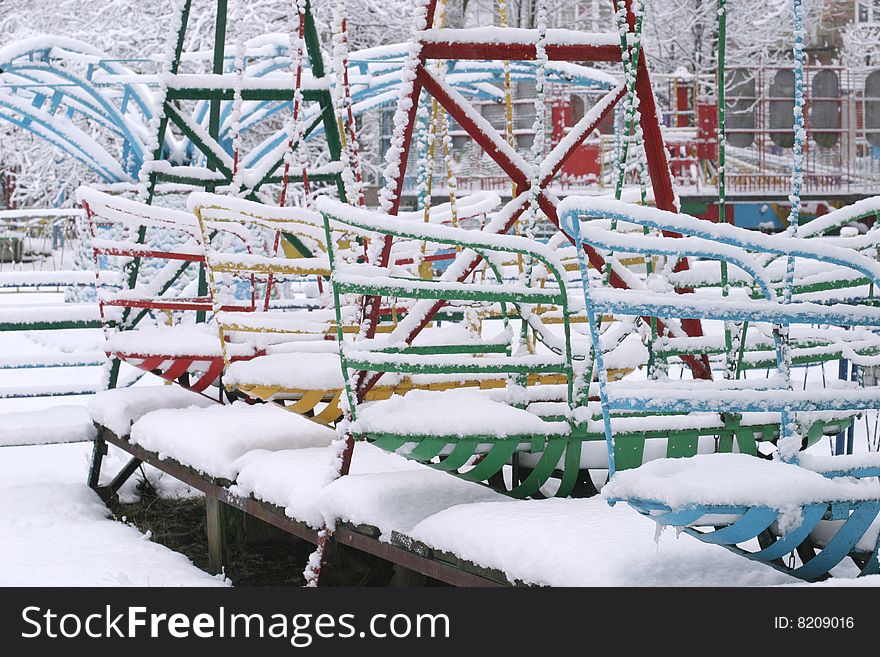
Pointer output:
x,y
370,275
55,278
55,531
126,212
211,439
179,340
57,424
290,371
450,413
383,490
516,35
583,542
372,220
398,500
840,462
289,478
57,313
821,250
733,479
275,81
119,408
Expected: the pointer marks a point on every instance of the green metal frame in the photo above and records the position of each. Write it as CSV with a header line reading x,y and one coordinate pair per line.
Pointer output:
x,y
170,110
559,457
171,113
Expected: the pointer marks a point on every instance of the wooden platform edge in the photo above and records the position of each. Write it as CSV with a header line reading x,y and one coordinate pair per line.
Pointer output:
x,y
362,539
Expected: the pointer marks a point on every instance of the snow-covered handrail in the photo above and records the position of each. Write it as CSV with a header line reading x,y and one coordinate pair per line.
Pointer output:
x,y
379,222
39,213
574,209
866,207
517,36
456,362
218,206
115,209
716,241
694,247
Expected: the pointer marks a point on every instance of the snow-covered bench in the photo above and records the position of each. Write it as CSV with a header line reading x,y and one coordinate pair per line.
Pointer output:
x,y
156,320
73,315
852,227
50,315
461,425
262,456
299,362
537,451
729,499
255,249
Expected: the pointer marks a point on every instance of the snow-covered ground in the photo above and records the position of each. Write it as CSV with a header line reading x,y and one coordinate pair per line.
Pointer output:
x,y
55,531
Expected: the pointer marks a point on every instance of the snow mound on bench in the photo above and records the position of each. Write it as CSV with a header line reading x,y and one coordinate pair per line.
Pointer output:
x,y
583,542
58,424
382,489
210,440
451,413
735,480
119,408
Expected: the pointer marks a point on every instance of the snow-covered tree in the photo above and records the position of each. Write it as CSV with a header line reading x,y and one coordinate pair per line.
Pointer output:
x,y
136,33
678,34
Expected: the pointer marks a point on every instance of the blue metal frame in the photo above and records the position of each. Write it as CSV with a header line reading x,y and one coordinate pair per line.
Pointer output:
x,y
702,242
33,75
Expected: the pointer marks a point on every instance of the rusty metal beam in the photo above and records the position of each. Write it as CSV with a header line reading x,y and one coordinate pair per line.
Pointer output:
x,y
429,567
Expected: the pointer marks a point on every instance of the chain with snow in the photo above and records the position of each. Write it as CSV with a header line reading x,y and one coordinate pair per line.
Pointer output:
x,y
168,67
352,176
393,155
516,392
790,442
294,155
238,24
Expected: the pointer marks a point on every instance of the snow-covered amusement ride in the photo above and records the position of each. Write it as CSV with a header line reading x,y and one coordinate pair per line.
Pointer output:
x,y
415,383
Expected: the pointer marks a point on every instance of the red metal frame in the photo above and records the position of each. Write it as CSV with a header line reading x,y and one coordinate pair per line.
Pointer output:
x,y
496,148
519,51
150,253
168,367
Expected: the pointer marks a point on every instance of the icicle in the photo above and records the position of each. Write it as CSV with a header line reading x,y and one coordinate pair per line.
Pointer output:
x,y
658,532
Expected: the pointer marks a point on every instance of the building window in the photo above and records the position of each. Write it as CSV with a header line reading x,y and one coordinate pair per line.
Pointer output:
x,y
868,11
